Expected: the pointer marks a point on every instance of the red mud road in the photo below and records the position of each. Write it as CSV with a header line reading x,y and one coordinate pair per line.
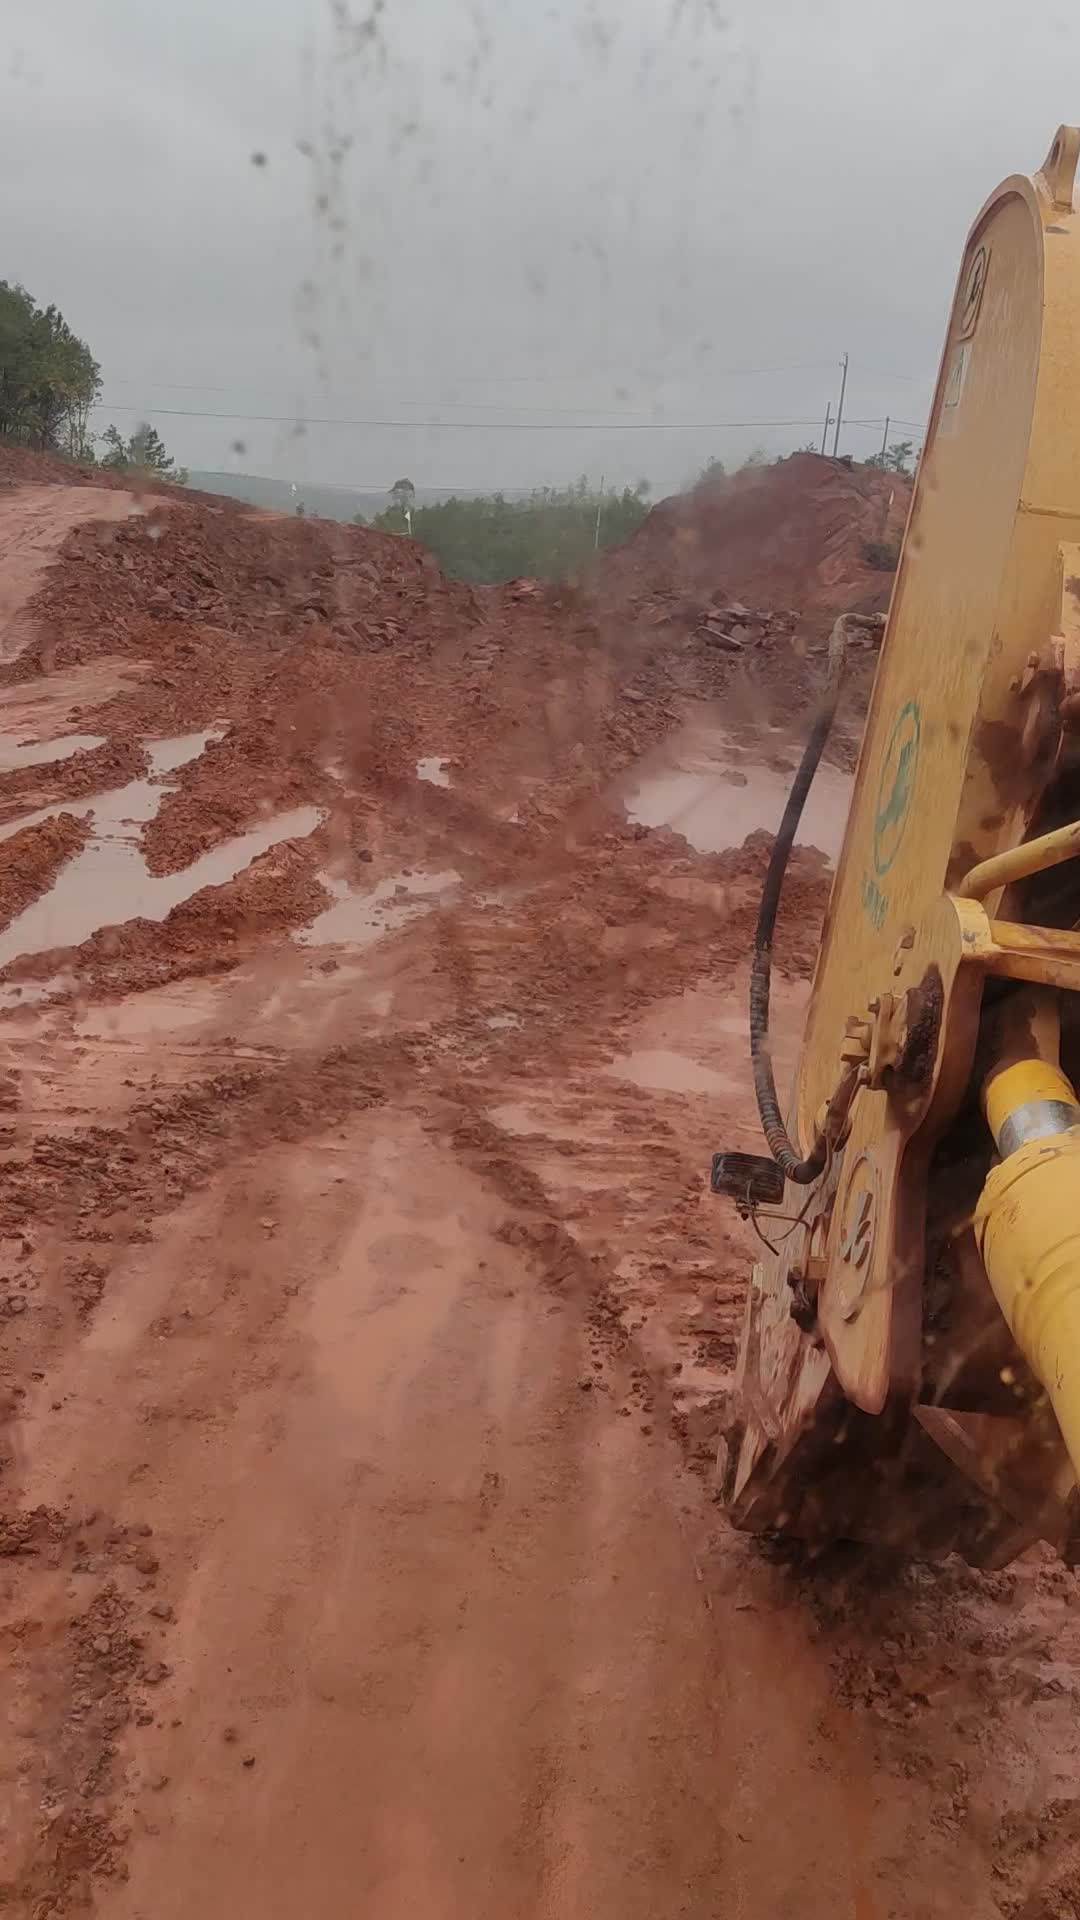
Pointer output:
x,y
363,1316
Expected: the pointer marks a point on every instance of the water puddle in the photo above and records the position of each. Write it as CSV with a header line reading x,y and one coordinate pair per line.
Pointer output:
x,y
516,1116
719,791
167,755
434,771
131,805
30,993
162,1013
522,1118
108,882
666,1072
41,753
356,919
335,766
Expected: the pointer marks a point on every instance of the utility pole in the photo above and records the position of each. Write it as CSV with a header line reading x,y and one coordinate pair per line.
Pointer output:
x,y
885,440
828,423
599,510
840,407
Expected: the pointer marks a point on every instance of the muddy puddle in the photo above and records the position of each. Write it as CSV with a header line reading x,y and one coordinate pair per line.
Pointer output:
x,y
15,995
40,753
715,790
167,755
663,1071
434,770
358,918
108,881
131,805
554,1126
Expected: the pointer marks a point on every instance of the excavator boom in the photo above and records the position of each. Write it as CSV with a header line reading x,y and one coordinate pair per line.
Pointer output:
x,y
910,1362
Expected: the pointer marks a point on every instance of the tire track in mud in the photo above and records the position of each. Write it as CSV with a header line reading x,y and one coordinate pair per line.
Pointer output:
x,y
378,1308
99,1198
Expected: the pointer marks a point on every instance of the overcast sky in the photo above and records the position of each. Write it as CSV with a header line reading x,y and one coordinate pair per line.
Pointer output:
x,y
510,211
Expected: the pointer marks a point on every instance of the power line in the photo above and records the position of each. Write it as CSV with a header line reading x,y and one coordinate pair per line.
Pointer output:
x,y
781,366
880,373
501,379
489,406
473,426
873,424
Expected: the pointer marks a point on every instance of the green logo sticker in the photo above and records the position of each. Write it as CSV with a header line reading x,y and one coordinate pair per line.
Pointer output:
x,y
896,786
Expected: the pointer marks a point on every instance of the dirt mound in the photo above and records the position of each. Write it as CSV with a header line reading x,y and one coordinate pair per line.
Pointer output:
x,y
242,576
32,859
729,592
22,466
317,643
335,661
87,772
808,535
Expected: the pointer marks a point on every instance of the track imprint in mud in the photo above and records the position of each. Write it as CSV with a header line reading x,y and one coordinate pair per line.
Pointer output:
x,y
108,882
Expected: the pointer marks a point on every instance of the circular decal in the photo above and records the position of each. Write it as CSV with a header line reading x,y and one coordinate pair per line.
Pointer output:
x,y
896,786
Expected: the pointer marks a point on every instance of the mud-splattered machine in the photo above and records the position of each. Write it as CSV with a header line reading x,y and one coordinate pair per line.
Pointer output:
x,y
910,1363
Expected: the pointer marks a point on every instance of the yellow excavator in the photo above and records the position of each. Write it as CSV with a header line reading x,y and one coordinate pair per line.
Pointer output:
x,y
909,1370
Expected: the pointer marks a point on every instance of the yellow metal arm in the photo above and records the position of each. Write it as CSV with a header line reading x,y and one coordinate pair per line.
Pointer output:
x,y
1028,1227
1016,863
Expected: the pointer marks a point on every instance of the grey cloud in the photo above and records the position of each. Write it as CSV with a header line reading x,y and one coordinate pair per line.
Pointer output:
x,y
583,207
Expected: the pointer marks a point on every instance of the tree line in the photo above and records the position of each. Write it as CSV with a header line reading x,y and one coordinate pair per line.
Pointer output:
x,y
551,535
49,383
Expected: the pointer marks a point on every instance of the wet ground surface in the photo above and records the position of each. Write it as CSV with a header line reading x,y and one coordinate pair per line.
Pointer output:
x,y
357,917
37,520
107,882
715,787
365,1323
36,753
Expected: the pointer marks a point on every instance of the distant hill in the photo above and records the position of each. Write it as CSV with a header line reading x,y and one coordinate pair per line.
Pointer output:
x,y
322,501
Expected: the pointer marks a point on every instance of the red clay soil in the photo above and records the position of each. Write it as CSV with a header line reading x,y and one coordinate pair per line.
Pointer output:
x,y
210,933
113,764
211,574
796,534
31,859
365,1318
22,466
215,799
320,642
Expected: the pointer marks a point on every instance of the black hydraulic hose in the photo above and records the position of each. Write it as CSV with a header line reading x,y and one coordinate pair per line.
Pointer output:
x,y
801,1171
